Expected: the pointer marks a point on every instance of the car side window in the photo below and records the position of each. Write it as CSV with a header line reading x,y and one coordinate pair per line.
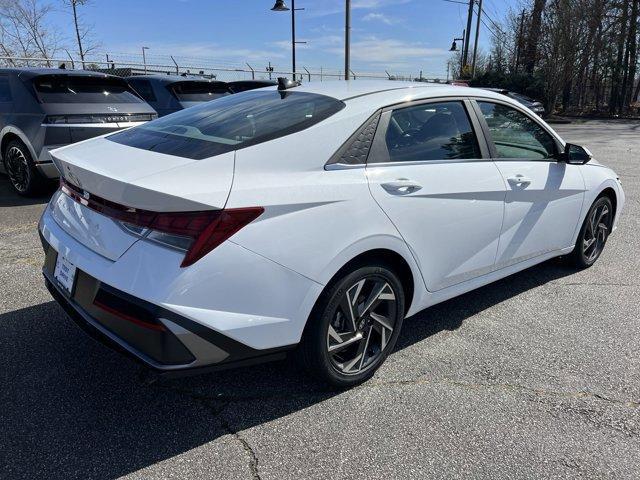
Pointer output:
x,y
5,89
515,135
431,131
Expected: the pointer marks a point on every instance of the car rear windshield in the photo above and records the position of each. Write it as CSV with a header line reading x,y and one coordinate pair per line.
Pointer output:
x,y
194,91
230,123
83,89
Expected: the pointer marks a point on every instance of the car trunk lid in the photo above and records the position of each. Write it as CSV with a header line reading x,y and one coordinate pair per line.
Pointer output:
x,y
136,179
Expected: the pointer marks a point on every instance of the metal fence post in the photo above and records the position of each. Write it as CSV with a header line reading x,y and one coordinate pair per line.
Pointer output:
x,y
253,72
308,72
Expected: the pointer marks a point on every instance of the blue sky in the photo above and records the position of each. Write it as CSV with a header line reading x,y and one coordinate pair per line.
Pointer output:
x,y
398,35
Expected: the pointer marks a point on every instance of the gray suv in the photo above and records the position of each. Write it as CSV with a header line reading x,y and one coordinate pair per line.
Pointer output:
x,y
42,109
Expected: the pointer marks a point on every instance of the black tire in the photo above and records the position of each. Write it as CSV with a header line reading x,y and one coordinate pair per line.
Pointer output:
x,y
585,253
20,168
315,344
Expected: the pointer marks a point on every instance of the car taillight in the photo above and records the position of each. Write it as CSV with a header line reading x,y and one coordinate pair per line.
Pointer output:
x,y
196,233
200,232
98,118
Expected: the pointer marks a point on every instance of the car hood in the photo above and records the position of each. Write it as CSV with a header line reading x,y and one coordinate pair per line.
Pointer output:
x,y
146,180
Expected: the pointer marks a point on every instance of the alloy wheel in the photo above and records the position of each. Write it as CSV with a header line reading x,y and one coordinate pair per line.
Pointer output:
x,y
596,233
362,325
18,169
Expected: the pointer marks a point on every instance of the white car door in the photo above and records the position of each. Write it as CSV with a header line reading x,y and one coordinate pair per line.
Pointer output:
x,y
544,196
434,180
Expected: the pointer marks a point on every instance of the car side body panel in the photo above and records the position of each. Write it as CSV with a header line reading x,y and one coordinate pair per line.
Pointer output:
x,y
305,205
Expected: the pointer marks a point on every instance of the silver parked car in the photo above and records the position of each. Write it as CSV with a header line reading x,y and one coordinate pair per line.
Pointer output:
x,y
534,105
43,109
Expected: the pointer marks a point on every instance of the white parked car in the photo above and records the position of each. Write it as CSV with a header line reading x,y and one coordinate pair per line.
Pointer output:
x,y
313,216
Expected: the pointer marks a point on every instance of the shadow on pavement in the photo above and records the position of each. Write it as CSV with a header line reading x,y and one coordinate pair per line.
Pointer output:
x,y
9,198
70,408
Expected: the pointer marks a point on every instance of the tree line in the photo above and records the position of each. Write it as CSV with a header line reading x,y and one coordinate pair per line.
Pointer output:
x,y
578,56
26,31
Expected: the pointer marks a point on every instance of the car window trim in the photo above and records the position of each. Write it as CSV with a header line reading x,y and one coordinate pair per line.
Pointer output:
x,y
379,147
487,133
333,164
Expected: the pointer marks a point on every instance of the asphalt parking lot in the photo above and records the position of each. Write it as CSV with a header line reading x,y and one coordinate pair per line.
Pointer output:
x,y
535,376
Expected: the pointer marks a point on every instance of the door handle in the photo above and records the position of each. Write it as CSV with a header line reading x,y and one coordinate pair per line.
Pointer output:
x,y
401,186
519,180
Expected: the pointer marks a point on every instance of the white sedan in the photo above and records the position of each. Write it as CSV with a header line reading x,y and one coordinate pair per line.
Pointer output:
x,y
312,218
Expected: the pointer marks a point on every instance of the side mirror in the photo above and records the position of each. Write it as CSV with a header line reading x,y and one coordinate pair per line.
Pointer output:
x,y
575,154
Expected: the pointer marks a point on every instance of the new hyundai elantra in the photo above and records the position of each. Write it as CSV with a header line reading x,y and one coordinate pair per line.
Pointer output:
x,y
311,218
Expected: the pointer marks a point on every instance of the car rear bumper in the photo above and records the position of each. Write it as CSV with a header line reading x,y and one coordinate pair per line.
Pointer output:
x,y
231,306
167,343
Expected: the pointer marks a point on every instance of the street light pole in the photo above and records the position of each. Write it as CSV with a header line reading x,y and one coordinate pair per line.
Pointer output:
x,y
347,39
280,6
293,38
454,48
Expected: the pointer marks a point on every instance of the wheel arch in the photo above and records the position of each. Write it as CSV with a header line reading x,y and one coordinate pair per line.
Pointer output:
x,y
10,133
612,195
391,251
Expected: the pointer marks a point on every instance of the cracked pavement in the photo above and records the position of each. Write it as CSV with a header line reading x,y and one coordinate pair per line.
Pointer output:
x,y
535,376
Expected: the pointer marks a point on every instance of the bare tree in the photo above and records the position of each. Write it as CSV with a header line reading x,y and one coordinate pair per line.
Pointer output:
x,y
578,54
25,30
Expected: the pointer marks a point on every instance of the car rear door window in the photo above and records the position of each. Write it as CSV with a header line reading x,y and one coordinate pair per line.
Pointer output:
x,y
515,135
432,131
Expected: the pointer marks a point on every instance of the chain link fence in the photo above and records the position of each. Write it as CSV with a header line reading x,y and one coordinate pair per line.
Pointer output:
x,y
123,66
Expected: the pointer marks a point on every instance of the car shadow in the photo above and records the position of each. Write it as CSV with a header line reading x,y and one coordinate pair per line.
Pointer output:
x,y
9,197
71,408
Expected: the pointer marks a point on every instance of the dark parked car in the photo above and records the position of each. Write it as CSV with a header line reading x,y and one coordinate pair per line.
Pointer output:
x,y
43,109
534,105
170,93
244,85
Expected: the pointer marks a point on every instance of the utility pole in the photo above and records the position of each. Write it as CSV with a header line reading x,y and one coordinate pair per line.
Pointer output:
x,y
475,45
465,53
519,43
347,39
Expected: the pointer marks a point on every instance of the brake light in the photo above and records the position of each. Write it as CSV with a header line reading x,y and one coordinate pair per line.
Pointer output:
x,y
98,118
196,233
205,230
